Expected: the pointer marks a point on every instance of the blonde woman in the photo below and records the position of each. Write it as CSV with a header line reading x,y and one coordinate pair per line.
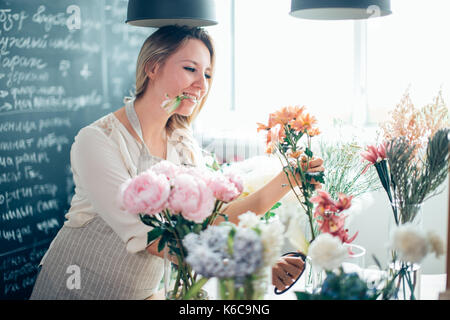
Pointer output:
x,y
107,247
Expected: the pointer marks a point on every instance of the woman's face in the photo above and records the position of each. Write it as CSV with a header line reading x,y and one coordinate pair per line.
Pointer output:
x,y
185,72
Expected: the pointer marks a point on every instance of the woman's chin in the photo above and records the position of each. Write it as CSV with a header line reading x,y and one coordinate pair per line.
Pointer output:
x,y
185,109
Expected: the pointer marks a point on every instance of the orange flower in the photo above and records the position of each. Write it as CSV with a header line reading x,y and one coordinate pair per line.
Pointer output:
x,y
296,154
274,135
314,132
308,121
288,114
298,125
262,126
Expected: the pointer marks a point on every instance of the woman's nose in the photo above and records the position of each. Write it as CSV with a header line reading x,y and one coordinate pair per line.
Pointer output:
x,y
202,84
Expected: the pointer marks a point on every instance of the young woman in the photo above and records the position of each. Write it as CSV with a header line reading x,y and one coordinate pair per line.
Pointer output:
x,y
108,247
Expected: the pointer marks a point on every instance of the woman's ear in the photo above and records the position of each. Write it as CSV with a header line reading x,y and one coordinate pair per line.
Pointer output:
x,y
151,70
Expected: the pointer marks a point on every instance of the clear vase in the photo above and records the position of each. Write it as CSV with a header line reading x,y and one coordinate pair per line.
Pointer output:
x,y
355,261
406,275
313,277
175,279
406,280
253,287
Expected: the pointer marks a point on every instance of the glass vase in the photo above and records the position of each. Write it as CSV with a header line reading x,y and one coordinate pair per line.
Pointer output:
x,y
355,261
178,280
252,287
313,277
406,275
406,280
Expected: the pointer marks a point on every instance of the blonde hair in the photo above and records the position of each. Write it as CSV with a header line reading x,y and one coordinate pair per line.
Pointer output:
x,y
156,49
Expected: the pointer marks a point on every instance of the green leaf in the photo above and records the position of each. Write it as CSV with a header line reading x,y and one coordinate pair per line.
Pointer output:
x,y
162,242
276,205
308,152
154,234
148,220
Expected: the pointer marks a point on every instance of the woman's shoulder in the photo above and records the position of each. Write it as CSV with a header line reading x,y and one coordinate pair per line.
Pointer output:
x,y
105,125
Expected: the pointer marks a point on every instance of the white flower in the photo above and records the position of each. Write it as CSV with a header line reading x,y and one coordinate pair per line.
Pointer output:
x,y
436,243
248,220
272,236
295,232
411,244
327,252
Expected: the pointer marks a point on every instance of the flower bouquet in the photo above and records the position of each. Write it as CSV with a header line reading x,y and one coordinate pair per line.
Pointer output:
x,y
175,201
240,257
411,162
286,130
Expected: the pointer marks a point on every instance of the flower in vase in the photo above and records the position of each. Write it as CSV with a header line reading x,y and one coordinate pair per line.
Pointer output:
x,y
147,193
330,217
327,252
235,179
210,254
191,197
167,168
224,188
272,235
410,243
374,154
436,243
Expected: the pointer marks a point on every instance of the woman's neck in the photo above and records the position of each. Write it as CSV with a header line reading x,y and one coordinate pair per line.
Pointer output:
x,y
152,117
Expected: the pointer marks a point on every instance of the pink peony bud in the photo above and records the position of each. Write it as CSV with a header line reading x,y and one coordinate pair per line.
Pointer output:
x,y
146,193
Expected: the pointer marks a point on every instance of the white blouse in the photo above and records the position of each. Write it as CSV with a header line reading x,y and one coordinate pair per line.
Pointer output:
x,y
103,156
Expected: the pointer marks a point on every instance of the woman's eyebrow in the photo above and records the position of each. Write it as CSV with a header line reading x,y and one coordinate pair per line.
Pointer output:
x,y
194,62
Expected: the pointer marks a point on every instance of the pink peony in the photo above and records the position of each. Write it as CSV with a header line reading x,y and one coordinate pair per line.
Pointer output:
x,y
191,197
222,188
236,180
167,168
146,193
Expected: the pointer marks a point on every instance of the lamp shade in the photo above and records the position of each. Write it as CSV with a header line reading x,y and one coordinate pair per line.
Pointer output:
x,y
158,13
339,9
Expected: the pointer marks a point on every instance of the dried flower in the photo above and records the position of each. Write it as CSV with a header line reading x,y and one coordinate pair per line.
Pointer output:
x,y
416,125
436,243
410,243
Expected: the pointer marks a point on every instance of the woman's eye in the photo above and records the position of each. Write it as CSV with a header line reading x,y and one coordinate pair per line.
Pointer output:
x,y
189,69
207,76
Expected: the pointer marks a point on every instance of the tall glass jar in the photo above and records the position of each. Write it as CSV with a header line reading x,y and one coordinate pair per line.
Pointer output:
x,y
407,275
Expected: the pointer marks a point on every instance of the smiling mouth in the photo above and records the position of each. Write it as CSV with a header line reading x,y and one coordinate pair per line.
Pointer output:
x,y
190,97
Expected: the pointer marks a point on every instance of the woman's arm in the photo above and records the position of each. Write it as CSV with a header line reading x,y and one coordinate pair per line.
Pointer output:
x,y
264,198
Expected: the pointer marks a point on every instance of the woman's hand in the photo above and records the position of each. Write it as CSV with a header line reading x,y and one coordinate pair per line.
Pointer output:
x,y
315,165
286,271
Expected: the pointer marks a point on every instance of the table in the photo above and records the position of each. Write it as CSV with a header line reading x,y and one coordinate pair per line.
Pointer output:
x,y
431,285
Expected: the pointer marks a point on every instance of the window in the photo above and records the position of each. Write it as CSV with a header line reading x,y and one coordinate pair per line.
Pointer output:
x,y
352,70
409,48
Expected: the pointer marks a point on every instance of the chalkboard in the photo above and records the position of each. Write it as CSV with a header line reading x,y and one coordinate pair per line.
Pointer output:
x,y
63,64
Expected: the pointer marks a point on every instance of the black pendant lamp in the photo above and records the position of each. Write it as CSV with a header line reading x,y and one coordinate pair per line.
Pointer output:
x,y
158,13
339,9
